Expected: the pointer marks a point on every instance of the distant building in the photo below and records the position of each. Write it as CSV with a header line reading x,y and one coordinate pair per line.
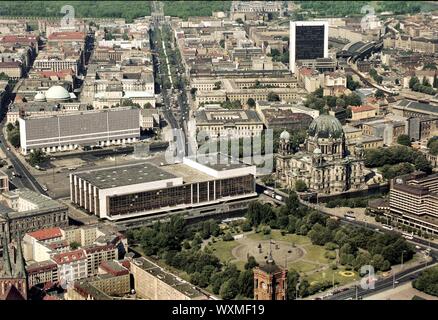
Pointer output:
x,y
220,123
308,41
72,130
154,283
363,112
413,201
143,189
13,69
285,119
23,210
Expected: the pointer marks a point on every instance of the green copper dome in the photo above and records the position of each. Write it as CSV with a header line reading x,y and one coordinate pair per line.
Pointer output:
x,y
325,126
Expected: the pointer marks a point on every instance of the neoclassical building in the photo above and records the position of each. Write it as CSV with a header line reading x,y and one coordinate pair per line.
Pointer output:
x,y
323,162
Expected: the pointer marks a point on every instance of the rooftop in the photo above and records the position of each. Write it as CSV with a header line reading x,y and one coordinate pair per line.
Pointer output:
x,y
125,175
46,234
182,286
68,257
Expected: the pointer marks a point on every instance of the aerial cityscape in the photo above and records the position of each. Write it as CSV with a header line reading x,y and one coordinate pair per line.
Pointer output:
x,y
218,150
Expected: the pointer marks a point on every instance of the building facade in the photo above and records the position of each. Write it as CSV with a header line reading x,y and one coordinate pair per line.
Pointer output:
x,y
142,189
73,130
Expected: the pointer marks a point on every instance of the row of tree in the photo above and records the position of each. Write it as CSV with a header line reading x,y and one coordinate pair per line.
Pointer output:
x,y
424,86
404,157
316,100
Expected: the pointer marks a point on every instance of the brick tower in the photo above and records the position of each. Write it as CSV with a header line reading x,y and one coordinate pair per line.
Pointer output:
x,y
270,281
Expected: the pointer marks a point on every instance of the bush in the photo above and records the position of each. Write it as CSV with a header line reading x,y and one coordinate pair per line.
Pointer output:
x,y
266,230
246,226
228,237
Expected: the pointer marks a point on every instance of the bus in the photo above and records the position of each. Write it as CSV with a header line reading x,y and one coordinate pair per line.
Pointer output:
x,y
408,236
387,227
349,216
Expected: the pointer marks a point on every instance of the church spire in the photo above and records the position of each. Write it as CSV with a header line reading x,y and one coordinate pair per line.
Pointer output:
x,y
7,266
20,270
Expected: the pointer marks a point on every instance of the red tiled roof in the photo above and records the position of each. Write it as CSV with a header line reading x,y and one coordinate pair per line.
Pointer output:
x,y
18,39
67,257
67,36
45,234
60,73
362,108
306,71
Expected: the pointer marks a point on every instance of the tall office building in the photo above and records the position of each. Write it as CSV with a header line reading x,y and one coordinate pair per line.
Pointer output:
x,y
308,41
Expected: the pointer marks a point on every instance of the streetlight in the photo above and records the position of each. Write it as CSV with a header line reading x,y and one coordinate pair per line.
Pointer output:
x,y
402,259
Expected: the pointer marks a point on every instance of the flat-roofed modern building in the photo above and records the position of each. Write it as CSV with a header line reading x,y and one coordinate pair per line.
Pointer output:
x,y
413,201
143,189
61,132
308,41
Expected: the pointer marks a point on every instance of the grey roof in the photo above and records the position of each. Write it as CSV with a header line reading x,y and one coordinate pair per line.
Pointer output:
x,y
220,162
124,175
42,203
168,278
222,116
421,107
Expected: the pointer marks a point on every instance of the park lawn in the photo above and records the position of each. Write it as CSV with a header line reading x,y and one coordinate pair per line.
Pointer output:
x,y
315,253
302,266
328,275
276,235
222,249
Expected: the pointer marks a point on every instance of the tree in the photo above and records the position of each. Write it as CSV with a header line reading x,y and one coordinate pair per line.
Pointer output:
x,y
9,127
229,289
228,237
251,263
379,94
351,84
422,164
404,140
217,85
14,138
251,102
74,245
413,81
426,82
37,157
340,103
246,283
427,281
273,96
293,278
300,186
433,148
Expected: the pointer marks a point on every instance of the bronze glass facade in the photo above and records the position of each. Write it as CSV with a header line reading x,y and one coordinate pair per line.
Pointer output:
x,y
187,194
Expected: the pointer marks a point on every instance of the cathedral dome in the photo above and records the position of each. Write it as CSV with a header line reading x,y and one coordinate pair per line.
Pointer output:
x,y
40,97
285,135
325,126
58,93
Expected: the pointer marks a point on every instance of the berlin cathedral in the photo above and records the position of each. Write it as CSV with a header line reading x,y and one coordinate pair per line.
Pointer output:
x,y
322,162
